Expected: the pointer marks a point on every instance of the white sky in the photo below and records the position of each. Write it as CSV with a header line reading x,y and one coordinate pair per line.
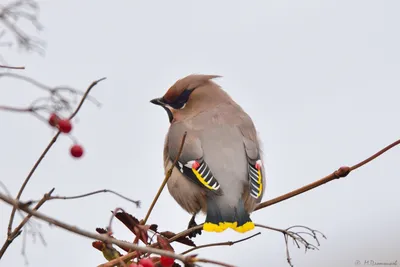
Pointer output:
x,y
319,78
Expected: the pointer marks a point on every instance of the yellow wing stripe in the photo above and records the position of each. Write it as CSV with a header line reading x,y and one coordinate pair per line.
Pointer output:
x,y
260,183
201,179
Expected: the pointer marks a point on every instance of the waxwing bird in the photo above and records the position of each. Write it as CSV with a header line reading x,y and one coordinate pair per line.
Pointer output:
x,y
220,170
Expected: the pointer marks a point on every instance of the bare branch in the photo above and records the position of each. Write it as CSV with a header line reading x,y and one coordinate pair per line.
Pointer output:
x,y
11,67
136,202
228,243
53,91
169,172
133,254
33,109
85,96
340,173
27,10
104,238
52,141
17,231
296,237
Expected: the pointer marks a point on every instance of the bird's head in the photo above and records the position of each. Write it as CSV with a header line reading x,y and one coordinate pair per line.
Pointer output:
x,y
190,95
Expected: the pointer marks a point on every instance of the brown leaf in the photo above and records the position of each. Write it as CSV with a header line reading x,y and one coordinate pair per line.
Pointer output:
x,y
164,243
101,230
154,227
183,239
134,225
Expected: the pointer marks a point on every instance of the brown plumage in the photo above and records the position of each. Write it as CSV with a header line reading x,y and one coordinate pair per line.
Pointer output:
x,y
220,171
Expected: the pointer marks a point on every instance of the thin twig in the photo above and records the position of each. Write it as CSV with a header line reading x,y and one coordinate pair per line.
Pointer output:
x,y
12,13
109,228
17,231
228,243
51,90
169,172
296,237
340,173
84,97
136,202
213,262
15,109
11,67
52,141
104,238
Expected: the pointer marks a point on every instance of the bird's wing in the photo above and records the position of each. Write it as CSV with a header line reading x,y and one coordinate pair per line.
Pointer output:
x,y
254,161
191,162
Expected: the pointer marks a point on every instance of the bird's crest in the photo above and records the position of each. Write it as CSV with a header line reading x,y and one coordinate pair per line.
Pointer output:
x,y
189,82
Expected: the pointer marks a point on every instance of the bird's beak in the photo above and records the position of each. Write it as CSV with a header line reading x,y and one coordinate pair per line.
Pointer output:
x,y
160,102
157,101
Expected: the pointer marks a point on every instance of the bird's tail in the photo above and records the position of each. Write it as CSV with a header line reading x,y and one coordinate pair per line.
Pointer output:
x,y
220,217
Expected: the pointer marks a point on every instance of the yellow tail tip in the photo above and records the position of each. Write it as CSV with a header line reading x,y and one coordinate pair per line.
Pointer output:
x,y
222,226
245,227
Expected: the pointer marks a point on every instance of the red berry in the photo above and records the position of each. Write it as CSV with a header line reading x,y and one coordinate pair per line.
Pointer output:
x,y
135,265
76,151
167,261
65,126
146,262
53,120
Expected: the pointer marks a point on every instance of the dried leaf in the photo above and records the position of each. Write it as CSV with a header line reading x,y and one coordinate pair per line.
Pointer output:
x,y
101,230
183,239
134,225
154,227
164,243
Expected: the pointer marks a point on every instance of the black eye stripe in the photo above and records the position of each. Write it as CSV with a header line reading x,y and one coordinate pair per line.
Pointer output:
x,y
181,100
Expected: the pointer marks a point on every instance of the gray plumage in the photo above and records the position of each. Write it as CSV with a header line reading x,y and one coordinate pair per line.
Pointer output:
x,y
223,136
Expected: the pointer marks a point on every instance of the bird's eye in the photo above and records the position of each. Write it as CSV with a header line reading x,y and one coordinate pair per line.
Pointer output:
x,y
181,100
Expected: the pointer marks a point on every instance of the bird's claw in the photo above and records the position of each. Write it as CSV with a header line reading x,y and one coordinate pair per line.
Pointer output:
x,y
192,223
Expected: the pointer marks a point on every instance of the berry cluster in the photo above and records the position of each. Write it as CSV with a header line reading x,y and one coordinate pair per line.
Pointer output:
x,y
65,126
146,262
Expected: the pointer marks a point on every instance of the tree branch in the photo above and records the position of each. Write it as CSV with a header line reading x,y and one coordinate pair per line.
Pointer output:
x,y
228,243
17,231
296,237
52,141
28,10
169,172
133,254
104,238
136,202
11,67
340,173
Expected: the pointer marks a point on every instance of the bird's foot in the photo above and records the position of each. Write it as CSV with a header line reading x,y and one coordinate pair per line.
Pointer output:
x,y
192,223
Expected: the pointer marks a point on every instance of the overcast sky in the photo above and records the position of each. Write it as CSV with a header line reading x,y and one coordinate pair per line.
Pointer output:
x,y
319,78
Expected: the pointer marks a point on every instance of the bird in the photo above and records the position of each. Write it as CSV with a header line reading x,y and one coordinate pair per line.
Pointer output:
x,y
220,170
